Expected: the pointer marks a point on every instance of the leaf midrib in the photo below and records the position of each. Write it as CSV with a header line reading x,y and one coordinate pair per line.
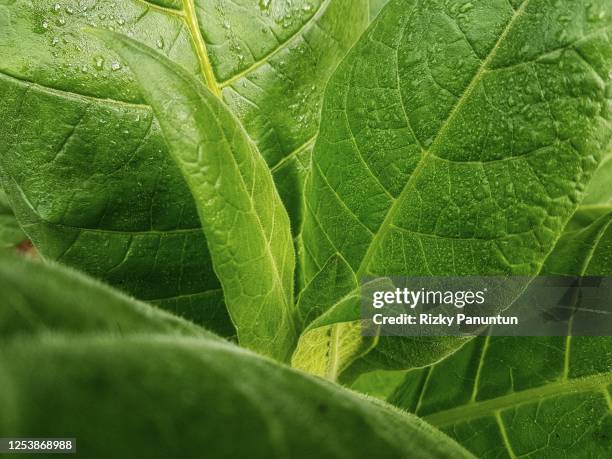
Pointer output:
x,y
396,205
484,408
193,25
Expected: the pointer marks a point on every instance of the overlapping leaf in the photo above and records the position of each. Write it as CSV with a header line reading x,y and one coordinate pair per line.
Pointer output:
x,y
40,298
453,143
83,157
521,396
94,361
243,217
158,397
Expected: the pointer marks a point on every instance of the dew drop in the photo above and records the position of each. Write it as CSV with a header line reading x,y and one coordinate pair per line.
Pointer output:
x,y
160,43
115,66
45,24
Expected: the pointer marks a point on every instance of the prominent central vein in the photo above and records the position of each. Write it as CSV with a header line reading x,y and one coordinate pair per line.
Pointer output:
x,y
595,383
395,207
200,46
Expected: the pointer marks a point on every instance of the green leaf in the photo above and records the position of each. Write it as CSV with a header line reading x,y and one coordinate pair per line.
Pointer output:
x,y
11,234
580,250
453,143
379,384
245,223
330,307
195,397
509,397
84,159
492,392
195,392
46,297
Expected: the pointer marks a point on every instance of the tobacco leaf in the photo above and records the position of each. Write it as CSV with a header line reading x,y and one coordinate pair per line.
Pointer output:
x,y
242,215
453,143
88,344
83,157
375,7
160,397
525,396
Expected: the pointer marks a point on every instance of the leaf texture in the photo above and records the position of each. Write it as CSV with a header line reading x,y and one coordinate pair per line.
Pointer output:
x,y
84,160
11,234
452,143
194,397
521,396
245,223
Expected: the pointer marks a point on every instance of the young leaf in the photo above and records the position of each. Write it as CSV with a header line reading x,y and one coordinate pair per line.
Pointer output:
x,y
195,398
334,340
453,143
84,159
332,297
46,297
245,223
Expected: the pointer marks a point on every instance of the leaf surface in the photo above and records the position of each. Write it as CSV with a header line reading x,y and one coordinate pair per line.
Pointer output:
x,y
40,298
83,157
452,143
245,223
375,7
493,391
11,233
194,397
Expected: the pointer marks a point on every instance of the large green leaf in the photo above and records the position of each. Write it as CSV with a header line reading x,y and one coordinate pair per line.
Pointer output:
x,y
85,164
245,223
493,392
42,297
515,397
454,143
329,308
195,393
160,397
